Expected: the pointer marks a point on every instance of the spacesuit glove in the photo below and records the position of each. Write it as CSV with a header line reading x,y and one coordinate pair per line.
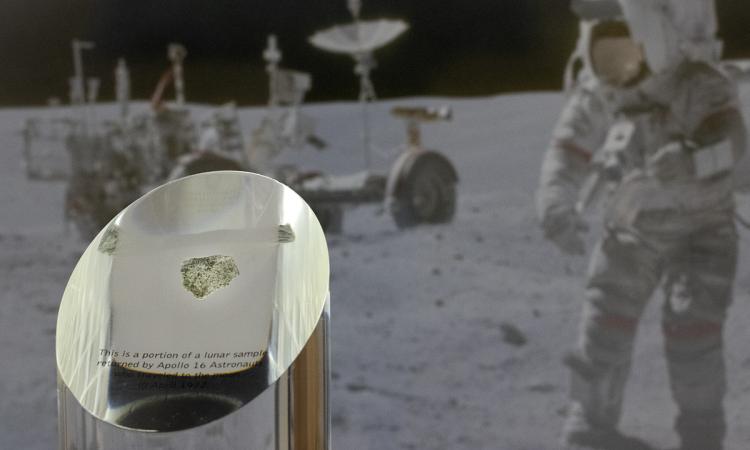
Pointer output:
x,y
672,162
564,229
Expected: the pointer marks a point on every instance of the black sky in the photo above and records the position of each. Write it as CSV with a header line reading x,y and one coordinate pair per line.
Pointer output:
x,y
454,47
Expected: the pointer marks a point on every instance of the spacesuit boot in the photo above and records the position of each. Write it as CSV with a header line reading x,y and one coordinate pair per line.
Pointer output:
x,y
700,422
580,433
701,431
593,414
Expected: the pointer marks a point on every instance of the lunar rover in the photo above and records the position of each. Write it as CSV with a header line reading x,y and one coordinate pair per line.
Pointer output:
x,y
109,163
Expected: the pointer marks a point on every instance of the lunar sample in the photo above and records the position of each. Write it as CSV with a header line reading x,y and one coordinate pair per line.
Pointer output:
x,y
202,276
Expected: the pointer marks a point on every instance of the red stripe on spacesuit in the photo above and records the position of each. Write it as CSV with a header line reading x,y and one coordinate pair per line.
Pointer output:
x,y
575,149
616,321
692,330
720,114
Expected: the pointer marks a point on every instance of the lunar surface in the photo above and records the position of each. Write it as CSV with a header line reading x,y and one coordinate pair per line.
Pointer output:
x,y
444,337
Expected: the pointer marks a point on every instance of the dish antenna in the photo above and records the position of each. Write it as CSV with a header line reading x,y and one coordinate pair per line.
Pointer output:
x,y
360,39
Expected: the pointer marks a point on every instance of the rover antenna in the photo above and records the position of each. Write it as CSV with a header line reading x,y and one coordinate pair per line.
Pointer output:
x,y
359,39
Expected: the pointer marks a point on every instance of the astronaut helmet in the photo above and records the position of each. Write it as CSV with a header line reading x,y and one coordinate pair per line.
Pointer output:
x,y
606,48
616,58
669,32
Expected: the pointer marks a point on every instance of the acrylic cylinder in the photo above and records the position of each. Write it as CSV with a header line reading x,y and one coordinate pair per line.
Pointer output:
x,y
198,318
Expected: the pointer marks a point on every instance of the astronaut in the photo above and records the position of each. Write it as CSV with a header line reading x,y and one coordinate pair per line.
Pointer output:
x,y
653,116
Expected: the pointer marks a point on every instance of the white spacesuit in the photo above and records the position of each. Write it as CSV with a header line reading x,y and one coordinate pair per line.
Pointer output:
x,y
653,116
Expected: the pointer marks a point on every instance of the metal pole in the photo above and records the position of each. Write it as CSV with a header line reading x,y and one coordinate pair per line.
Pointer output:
x,y
122,88
355,7
177,54
92,94
272,56
77,84
198,318
79,89
364,64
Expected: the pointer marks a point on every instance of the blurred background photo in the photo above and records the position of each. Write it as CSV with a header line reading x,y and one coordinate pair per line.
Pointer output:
x,y
450,310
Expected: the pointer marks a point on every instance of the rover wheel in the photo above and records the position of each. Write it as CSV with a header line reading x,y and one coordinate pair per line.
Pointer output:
x,y
427,195
331,217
